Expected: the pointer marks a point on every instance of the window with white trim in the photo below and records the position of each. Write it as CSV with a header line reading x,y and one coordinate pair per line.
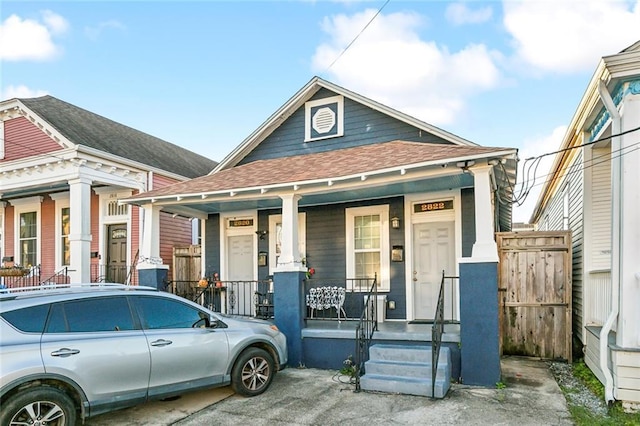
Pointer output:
x,y
62,229
65,230
367,241
27,230
28,239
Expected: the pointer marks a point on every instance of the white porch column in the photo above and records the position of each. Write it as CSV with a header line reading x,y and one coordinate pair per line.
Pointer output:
x,y
485,247
150,244
290,259
80,228
627,223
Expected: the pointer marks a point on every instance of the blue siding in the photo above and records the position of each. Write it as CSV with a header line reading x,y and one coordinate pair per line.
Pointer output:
x,y
212,244
468,221
362,126
326,245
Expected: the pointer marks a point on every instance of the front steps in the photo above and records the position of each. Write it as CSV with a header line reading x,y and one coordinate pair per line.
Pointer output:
x,y
406,370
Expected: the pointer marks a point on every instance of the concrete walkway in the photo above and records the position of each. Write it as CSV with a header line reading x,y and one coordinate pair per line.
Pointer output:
x,y
318,397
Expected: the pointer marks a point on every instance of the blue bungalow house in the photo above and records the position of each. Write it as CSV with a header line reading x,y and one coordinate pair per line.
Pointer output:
x,y
337,190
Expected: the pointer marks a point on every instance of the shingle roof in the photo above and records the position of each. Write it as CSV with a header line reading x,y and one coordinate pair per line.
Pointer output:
x,y
83,127
324,165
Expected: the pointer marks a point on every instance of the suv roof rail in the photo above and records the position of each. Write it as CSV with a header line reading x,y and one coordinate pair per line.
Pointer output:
x,y
12,292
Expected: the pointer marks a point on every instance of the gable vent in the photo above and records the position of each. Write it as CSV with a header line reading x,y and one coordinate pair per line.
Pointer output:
x,y
323,120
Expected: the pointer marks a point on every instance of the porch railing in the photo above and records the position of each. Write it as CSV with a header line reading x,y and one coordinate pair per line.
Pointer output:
x,y
32,277
437,329
243,298
367,324
24,277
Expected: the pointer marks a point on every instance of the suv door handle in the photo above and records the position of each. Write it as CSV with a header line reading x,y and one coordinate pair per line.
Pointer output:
x,y
161,342
65,352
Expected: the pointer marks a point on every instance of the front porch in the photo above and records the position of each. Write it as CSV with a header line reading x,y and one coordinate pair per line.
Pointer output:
x,y
329,333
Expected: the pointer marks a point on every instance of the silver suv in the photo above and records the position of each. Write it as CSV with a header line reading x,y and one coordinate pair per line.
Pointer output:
x,y
76,351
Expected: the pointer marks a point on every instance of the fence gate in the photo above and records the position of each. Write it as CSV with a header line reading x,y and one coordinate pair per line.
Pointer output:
x,y
535,293
186,263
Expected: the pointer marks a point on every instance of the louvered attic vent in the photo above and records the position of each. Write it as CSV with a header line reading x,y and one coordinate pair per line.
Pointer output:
x,y
324,118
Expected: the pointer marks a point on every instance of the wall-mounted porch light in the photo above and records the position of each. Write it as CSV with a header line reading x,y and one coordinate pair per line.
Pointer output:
x,y
262,234
395,222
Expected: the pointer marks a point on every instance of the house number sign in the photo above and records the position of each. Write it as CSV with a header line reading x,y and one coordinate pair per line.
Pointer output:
x,y
237,223
433,206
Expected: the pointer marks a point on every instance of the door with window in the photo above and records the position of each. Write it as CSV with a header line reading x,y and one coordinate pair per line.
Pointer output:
x,y
433,252
116,254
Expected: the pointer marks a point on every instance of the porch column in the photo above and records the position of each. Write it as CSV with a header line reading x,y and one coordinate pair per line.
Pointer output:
x,y
80,230
479,330
288,282
151,271
485,246
627,253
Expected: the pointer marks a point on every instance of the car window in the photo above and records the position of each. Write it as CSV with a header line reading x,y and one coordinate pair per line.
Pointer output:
x,y
158,312
29,320
91,315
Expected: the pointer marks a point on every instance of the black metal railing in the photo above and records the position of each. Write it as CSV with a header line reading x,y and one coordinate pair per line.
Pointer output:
x,y
437,330
367,324
60,277
243,298
336,298
113,274
20,277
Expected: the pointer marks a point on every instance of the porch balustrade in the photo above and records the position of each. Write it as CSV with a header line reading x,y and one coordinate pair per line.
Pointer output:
x,y
325,298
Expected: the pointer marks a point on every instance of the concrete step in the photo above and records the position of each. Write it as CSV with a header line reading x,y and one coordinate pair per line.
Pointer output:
x,y
406,370
403,385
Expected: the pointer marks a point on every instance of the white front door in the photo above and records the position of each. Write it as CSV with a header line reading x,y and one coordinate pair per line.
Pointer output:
x,y
240,270
433,252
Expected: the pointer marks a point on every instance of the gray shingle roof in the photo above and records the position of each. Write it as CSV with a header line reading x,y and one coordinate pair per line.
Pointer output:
x,y
83,127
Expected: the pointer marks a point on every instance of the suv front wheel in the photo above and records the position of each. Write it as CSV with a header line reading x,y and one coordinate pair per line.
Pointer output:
x,y
41,405
252,372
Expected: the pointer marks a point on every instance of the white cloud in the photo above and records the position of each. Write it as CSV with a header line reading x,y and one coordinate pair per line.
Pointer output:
x,y
391,64
94,32
460,14
533,178
21,91
28,39
56,23
566,36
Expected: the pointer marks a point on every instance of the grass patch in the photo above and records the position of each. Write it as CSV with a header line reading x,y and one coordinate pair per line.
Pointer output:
x,y
582,416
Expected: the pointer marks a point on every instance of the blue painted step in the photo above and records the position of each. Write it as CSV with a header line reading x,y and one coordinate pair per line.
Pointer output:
x,y
406,370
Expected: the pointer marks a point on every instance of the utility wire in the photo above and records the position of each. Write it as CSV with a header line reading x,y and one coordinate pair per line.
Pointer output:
x,y
357,35
530,167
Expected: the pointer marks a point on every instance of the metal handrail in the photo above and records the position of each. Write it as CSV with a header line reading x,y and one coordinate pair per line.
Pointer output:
x,y
437,330
54,279
367,324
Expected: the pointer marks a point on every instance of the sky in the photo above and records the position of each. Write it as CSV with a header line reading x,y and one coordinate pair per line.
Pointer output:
x,y
205,74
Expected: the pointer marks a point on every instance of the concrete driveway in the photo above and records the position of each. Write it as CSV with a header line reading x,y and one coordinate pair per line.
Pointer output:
x,y
319,397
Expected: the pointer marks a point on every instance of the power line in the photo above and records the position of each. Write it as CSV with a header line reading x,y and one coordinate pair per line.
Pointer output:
x,y
358,35
531,164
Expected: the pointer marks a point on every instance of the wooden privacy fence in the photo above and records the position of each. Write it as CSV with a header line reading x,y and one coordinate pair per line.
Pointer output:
x,y
186,263
535,293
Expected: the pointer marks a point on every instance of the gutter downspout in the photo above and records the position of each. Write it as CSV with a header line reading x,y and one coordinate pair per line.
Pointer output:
x,y
615,236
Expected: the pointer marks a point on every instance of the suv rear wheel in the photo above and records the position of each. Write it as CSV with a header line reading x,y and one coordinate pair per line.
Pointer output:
x,y
252,372
40,405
